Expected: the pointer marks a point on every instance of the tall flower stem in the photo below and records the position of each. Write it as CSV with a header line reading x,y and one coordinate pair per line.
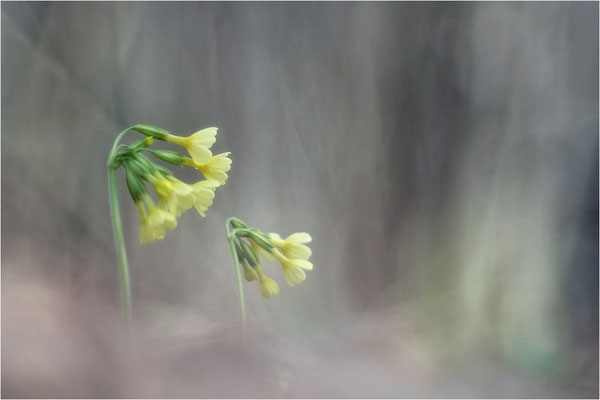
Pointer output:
x,y
120,246
238,276
118,233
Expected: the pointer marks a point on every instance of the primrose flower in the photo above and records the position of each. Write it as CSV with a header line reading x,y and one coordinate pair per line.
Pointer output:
x,y
176,195
294,245
293,269
267,286
249,272
215,169
154,221
198,144
204,192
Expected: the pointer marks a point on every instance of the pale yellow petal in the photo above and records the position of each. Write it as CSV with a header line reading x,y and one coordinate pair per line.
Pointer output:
x,y
307,265
299,237
293,274
268,287
298,251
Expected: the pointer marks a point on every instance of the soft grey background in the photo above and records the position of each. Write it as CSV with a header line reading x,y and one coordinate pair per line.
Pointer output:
x,y
444,157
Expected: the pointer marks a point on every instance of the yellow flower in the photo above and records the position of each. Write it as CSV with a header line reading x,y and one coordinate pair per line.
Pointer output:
x,y
198,144
249,272
177,196
293,246
267,286
153,222
293,269
204,192
215,169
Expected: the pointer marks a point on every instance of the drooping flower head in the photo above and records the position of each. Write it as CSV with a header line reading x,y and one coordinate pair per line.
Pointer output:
x,y
291,252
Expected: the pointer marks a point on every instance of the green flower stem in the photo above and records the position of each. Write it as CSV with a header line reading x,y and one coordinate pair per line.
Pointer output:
x,y
238,275
118,232
120,246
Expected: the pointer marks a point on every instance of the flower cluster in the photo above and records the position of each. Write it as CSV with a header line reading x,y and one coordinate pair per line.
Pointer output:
x,y
174,196
250,244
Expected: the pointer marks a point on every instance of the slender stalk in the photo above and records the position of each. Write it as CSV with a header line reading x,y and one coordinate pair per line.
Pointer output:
x,y
120,246
118,232
238,277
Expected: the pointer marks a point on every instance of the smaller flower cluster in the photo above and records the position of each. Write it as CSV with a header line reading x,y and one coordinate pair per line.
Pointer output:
x,y
174,196
250,244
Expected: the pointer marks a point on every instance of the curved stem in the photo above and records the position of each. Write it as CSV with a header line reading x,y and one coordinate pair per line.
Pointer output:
x,y
120,246
118,232
113,150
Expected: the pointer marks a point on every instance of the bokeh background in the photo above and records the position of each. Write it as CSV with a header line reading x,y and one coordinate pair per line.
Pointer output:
x,y
443,156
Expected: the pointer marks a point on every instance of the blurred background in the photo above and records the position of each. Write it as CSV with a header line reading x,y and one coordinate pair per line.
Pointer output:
x,y
443,156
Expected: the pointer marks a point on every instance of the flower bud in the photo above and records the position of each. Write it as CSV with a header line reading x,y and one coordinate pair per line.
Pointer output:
x,y
250,255
236,223
150,130
261,240
135,185
242,233
239,252
146,166
136,167
172,157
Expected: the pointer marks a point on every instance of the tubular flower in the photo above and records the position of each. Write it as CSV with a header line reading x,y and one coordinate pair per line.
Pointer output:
x,y
249,272
294,245
177,196
267,286
293,269
198,144
154,221
204,192
215,169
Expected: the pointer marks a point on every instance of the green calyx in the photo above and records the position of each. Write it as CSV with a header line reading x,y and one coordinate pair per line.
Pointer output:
x,y
149,130
135,185
261,239
240,252
237,223
172,157
250,255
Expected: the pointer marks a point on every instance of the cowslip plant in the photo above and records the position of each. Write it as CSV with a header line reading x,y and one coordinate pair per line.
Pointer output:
x,y
249,245
174,196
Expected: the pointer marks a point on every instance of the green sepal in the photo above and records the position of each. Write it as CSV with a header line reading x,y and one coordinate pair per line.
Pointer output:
x,y
149,167
172,157
138,166
261,240
242,233
135,185
240,252
149,130
250,255
164,171
237,223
